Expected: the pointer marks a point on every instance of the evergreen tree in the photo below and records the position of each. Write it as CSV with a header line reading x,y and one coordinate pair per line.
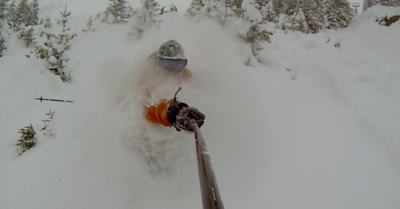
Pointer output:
x,y
12,16
255,35
236,6
3,9
98,15
339,13
118,10
2,40
268,13
195,7
48,123
89,23
308,17
23,13
26,34
2,45
34,12
47,23
55,48
27,139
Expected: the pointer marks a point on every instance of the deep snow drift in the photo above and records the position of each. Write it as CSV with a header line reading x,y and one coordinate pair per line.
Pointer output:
x,y
321,136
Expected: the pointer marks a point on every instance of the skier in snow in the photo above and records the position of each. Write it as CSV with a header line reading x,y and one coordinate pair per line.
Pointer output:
x,y
171,61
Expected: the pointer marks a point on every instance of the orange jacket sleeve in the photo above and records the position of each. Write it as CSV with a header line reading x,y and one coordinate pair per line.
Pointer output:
x,y
159,113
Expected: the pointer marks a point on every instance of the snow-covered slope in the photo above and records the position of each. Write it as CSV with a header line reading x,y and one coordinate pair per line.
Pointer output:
x,y
321,136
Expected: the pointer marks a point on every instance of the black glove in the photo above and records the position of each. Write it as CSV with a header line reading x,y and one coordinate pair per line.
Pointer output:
x,y
180,115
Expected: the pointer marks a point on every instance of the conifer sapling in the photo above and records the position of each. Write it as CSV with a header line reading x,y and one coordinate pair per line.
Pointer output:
x,y
26,34
27,139
48,131
2,41
89,23
34,12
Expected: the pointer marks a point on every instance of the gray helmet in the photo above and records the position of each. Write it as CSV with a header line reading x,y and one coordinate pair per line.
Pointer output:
x,y
171,50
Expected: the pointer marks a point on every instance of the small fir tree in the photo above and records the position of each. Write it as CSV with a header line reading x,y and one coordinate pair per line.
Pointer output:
x,y
34,12
98,15
57,59
23,13
12,16
119,10
195,8
236,6
26,34
41,52
2,45
2,41
55,47
90,24
268,13
48,124
339,13
47,22
3,9
27,139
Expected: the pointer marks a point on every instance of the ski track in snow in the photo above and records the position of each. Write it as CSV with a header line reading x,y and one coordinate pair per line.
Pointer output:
x,y
321,136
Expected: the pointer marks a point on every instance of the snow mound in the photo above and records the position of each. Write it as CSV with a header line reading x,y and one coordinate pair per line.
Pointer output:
x,y
382,11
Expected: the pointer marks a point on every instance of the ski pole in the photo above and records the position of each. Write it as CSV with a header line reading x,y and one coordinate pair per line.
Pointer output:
x,y
54,100
208,183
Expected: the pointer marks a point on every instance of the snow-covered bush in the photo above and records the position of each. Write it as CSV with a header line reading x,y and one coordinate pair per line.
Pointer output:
x,y
384,15
307,16
339,14
173,8
145,18
48,124
256,30
387,21
27,139
195,8
117,12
